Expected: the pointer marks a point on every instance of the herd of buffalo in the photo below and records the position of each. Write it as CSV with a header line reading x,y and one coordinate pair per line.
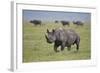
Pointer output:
x,y
62,37
39,22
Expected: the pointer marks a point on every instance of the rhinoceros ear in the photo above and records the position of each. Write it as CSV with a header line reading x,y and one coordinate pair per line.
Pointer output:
x,y
47,31
53,30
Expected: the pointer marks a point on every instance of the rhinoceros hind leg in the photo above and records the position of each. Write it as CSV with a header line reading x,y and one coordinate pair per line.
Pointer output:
x,y
69,47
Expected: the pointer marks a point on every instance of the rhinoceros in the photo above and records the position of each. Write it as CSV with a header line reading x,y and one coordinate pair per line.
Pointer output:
x,y
63,37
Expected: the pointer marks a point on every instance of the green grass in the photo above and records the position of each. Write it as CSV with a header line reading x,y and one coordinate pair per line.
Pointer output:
x,y
36,49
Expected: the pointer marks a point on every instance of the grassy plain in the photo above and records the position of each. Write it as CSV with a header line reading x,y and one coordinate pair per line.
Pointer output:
x,y
36,49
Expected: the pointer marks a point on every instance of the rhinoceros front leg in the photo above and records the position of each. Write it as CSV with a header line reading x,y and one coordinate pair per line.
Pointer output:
x,y
55,48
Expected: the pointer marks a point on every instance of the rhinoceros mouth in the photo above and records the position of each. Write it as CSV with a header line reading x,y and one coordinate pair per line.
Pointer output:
x,y
48,41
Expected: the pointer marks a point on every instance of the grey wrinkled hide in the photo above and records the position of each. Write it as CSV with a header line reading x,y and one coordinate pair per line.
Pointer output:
x,y
63,38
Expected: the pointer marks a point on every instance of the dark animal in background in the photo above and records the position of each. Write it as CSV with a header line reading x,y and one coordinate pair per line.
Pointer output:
x,y
65,23
78,23
63,38
36,22
56,21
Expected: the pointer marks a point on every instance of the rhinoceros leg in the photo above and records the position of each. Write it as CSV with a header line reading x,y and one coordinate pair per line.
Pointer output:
x,y
56,45
77,44
55,48
77,47
62,46
69,47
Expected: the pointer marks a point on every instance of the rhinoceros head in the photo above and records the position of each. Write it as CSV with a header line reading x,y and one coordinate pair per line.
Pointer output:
x,y
50,37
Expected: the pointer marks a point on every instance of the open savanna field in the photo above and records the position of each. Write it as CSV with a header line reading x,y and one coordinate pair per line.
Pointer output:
x,y
36,49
